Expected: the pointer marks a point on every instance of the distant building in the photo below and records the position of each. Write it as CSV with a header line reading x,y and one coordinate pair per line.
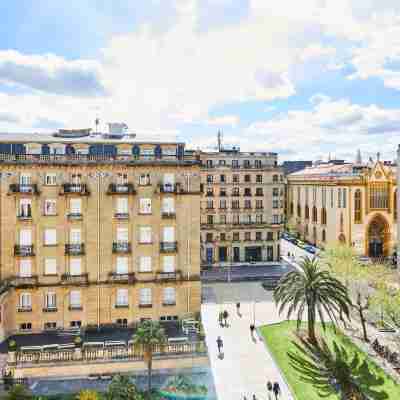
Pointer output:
x,y
293,166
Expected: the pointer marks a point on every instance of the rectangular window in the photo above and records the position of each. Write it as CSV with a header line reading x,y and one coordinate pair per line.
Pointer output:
x,y
247,178
275,191
168,181
259,204
259,192
169,263
247,236
50,266
169,296
222,237
209,237
235,204
275,203
257,163
145,206
75,299
210,179
258,236
344,202
222,204
49,326
50,207
235,163
144,179
25,179
122,179
222,178
259,218
122,265
75,236
210,219
259,178
236,236
122,297
339,198
122,205
25,268
270,236
209,163
50,300
235,219
247,204
50,237
25,208
145,234
50,179
75,266
145,296
332,198
222,219
168,205
145,264
235,178
25,237
169,234
25,300
75,206
275,219
210,204
122,235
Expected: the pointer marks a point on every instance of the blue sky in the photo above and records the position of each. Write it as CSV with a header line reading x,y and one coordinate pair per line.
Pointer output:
x,y
303,80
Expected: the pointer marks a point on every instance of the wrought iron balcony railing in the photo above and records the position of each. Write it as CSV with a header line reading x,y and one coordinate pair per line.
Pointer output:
x,y
68,279
168,247
30,188
23,250
75,249
121,188
75,188
168,214
121,247
24,281
122,278
169,276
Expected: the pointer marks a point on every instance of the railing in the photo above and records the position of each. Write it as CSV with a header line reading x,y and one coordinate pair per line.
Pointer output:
x,y
168,214
121,215
23,250
68,279
79,188
24,216
121,188
75,249
22,281
122,278
74,216
168,188
168,247
30,188
169,276
24,308
100,352
50,309
121,247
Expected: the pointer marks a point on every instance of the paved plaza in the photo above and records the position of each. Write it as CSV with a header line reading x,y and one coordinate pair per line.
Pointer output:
x,y
246,365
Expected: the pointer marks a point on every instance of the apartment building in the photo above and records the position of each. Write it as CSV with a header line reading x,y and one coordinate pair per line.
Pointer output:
x,y
351,203
242,207
96,229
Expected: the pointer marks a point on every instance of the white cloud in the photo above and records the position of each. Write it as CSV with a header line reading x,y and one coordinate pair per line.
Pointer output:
x,y
230,120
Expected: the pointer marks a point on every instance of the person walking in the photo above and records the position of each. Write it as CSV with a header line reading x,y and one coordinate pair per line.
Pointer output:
x,y
254,397
269,387
277,390
252,328
220,318
238,309
225,316
220,345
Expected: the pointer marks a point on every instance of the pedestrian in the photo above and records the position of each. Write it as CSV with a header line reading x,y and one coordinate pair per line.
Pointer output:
x,y
254,397
225,316
277,390
220,345
220,318
252,327
238,308
269,387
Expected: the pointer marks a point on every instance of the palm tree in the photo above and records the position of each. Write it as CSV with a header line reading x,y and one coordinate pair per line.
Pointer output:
x,y
148,335
122,388
313,289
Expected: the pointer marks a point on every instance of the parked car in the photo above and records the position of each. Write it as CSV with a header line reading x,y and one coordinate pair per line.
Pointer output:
x,y
310,249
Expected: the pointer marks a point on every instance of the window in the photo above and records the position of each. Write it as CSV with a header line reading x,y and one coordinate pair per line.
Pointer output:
x,y
257,163
323,195
209,179
235,163
275,191
25,326
306,212
259,204
275,203
222,219
76,179
222,163
222,178
357,206
168,205
344,192
236,236
275,178
145,296
122,322
25,268
209,163
122,235
49,326
235,178
247,204
235,191
246,163
122,179
379,196
169,182
50,179
332,197
247,236
222,192
323,216
169,263
210,219
169,234
247,178
50,300
339,198
75,266
247,191
75,206
75,299
145,234
75,236
298,210
259,178
145,206
209,237
259,218
50,237
314,214
25,301
144,179
270,236
314,194
258,236
145,264
25,179
275,219
169,296
50,207
210,192
259,192
235,204
323,235
122,205
395,204
122,298
50,266
210,204
235,219
122,265
25,208
75,324
222,237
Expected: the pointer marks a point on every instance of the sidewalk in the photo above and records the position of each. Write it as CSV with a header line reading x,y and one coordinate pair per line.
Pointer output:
x,y
247,365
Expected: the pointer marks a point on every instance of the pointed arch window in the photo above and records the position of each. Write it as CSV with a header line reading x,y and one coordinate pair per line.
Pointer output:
x,y
357,207
298,210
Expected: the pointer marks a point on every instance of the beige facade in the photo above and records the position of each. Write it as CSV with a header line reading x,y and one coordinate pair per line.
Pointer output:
x,y
349,203
96,231
242,207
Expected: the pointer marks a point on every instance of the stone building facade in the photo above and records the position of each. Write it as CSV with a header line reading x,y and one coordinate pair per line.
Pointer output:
x,y
96,230
242,207
349,203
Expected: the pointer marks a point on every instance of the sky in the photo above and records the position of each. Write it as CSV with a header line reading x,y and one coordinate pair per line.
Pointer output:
x,y
304,78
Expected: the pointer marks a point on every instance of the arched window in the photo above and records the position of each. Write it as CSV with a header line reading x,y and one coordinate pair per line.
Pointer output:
x,y
323,235
357,207
314,214
298,210
395,204
307,212
323,216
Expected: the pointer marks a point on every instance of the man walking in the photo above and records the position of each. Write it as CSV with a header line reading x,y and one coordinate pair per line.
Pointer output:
x,y
226,315
238,309
277,390
220,345
252,328
269,387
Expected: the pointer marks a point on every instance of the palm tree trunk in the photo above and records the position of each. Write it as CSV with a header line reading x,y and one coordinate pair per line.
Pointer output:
x,y
311,325
149,373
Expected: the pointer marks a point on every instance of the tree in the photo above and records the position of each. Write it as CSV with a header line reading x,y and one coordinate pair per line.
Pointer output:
x,y
121,388
19,392
148,335
315,290
88,395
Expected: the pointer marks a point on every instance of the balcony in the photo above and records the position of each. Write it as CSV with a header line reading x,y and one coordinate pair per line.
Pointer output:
x,y
168,276
24,216
121,247
121,188
24,309
121,215
75,307
16,188
75,188
68,279
50,309
168,247
23,250
168,188
75,249
168,214
169,303
25,281
74,216
115,277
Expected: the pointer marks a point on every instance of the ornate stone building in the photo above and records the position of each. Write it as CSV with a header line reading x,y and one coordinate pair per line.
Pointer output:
x,y
242,207
96,230
352,203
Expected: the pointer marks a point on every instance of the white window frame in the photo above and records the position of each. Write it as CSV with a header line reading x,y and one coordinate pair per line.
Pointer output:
x,y
122,265
144,179
145,264
145,296
25,207
145,234
25,268
75,236
75,266
168,205
50,207
25,300
50,304
169,263
50,266
169,295
50,179
50,237
122,205
145,206
169,234
25,237
122,234
75,298
75,206
122,298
